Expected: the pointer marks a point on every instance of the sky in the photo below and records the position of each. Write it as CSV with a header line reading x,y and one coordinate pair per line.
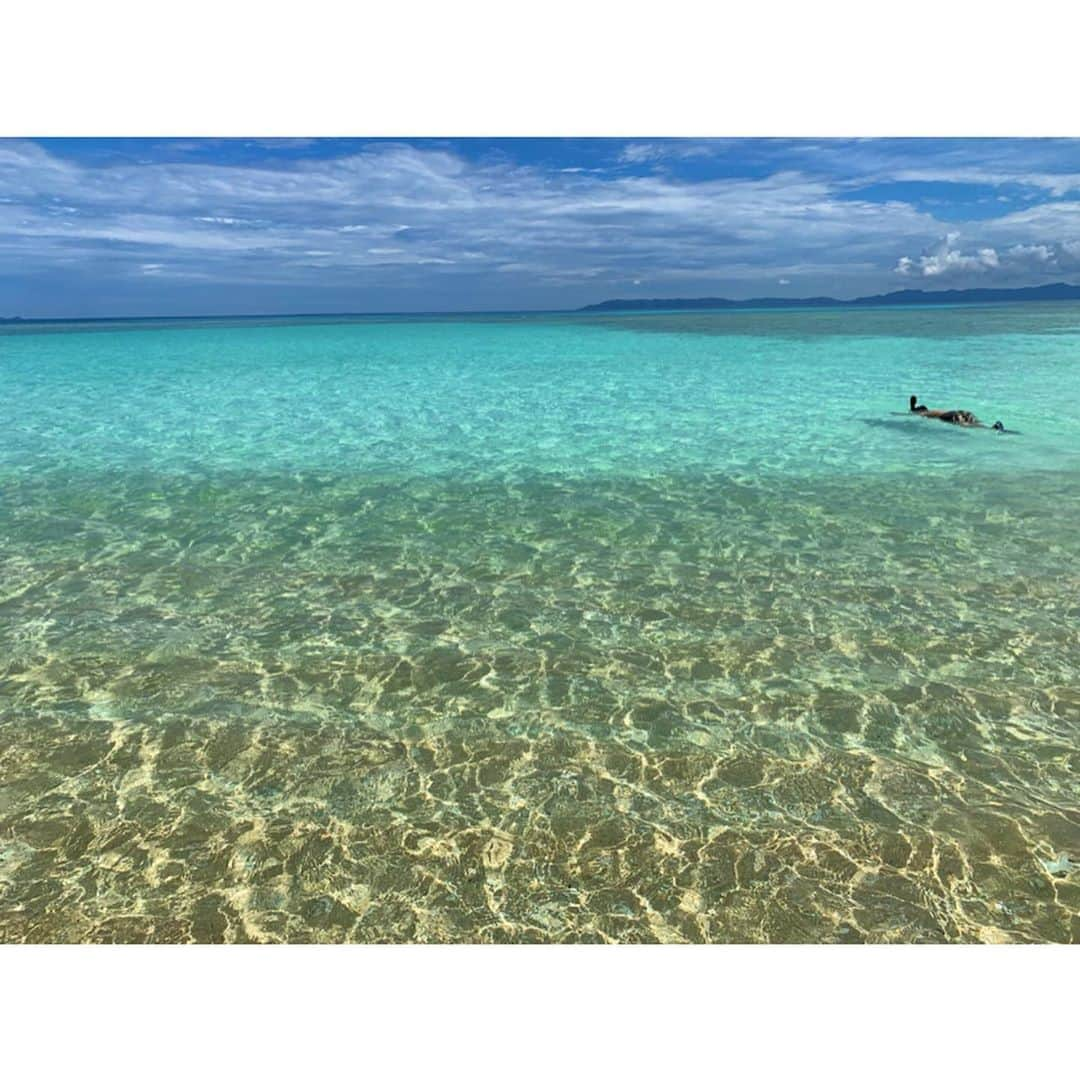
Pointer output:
x,y
135,227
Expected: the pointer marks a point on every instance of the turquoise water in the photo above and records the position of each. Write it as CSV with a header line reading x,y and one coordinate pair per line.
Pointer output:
x,y
541,628
779,393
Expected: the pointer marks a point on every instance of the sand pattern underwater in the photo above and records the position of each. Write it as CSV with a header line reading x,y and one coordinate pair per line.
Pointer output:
x,y
659,628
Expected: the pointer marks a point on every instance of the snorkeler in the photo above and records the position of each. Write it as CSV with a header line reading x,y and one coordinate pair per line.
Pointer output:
x,y
950,416
960,417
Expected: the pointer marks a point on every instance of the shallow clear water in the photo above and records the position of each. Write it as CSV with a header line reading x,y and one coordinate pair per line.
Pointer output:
x,y
656,627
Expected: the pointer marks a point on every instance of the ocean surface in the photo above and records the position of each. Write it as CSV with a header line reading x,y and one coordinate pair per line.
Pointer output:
x,y
660,627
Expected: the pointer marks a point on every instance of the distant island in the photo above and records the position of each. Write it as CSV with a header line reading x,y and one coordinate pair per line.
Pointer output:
x,y
1057,291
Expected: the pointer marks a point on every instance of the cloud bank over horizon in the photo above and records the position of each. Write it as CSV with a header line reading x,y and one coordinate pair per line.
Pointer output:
x,y
100,227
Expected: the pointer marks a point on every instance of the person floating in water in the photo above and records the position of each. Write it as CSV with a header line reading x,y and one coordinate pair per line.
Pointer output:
x,y
961,417
950,416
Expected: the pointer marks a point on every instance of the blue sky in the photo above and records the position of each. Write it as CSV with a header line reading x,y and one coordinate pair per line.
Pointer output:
x,y
102,227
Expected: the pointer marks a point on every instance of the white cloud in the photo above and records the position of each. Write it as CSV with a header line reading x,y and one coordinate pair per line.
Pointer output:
x,y
1016,261
945,259
669,150
783,281
226,221
1053,258
1054,184
635,153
